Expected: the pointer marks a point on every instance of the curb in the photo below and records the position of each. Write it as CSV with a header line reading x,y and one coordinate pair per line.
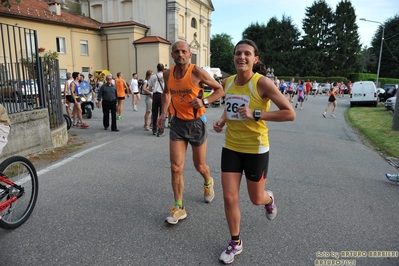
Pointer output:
x,y
393,161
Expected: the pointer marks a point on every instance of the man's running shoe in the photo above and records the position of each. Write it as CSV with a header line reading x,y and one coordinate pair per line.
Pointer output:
x,y
232,249
209,192
324,115
84,125
332,115
271,210
393,178
176,214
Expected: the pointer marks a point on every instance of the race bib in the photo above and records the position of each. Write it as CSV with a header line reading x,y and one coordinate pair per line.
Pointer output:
x,y
232,103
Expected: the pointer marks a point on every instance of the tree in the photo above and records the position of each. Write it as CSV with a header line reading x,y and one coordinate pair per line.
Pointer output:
x,y
318,39
277,43
7,4
390,51
222,50
367,59
257,33
345,52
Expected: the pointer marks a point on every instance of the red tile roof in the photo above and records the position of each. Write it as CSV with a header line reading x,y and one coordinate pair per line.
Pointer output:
x,y
38,10
121,24
151,39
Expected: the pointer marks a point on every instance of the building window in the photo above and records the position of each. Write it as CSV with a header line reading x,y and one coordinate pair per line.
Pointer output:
x,y
193,23
60,42
84,48
194,59
30,44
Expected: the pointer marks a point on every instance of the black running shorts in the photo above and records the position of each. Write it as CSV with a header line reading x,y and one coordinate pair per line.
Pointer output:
x,y
193,131
255,166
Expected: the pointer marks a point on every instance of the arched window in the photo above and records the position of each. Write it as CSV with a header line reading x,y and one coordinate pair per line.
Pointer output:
x,y
193,23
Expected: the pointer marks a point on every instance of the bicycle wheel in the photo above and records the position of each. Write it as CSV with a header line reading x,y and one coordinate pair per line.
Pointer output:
x,y
68,121
20,171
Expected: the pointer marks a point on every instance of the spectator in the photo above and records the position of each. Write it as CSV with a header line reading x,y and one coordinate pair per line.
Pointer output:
x,y
156,85
148,99
107,98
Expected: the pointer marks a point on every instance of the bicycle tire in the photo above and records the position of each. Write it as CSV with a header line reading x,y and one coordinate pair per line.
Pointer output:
x,y
21,171
68,121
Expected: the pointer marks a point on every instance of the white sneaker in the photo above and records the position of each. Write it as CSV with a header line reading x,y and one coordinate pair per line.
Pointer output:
x,y
271,210
209,193
232,249
176,214
332,115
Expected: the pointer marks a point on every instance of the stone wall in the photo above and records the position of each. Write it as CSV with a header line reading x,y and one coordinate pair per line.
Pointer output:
x,y
30,133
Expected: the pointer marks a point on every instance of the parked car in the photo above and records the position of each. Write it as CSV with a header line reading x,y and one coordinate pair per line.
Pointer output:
x,y
387,91
17,90
363,92
393,108
62,85
390,102
26,87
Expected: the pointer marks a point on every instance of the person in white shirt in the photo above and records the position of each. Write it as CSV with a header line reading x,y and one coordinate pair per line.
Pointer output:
x,y
315,88
134,85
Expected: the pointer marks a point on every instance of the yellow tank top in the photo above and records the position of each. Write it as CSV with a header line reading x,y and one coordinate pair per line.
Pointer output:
x,y
182,91
242,134
120,87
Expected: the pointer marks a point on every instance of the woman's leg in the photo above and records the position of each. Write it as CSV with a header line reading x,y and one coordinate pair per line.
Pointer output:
x,y
231,188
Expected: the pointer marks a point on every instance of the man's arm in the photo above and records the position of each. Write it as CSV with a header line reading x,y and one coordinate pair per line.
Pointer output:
x,y
202,76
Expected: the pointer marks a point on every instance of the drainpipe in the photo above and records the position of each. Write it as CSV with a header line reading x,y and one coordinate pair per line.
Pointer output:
x,y
106,47
88,3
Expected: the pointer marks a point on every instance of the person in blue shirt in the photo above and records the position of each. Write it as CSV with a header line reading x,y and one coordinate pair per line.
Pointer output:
x,y
300,95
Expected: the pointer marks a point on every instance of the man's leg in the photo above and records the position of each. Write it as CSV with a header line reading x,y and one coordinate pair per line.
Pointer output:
x,y
113,116
105,115
178,151
199,158
155,102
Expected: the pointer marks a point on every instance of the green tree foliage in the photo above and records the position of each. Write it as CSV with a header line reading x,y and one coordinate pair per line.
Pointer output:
x,y
318,39
345,52
390,51
278,44
7,4
257,33
222,50
367,60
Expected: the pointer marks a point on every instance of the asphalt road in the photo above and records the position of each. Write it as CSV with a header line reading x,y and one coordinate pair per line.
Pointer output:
x,y
106,204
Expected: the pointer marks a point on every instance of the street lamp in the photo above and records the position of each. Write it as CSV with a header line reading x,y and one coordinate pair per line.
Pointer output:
x,y
382,41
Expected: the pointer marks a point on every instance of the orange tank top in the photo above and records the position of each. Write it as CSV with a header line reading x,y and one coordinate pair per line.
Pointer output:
x,y
120,87
182,91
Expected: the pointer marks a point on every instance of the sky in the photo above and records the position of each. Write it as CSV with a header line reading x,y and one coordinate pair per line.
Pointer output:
x,y
234,16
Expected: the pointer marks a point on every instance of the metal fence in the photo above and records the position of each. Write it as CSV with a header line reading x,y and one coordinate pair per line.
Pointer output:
x,y
28,81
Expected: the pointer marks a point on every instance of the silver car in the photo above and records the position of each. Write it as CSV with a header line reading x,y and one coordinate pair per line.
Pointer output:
x,y
390,103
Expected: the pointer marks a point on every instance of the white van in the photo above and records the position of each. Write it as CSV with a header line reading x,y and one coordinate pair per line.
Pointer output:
x,y
363,92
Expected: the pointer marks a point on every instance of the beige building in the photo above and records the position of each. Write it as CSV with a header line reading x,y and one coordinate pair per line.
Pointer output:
x,y
118,35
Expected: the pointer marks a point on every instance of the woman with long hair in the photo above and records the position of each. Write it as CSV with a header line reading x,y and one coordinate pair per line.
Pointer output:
x,y
248,97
